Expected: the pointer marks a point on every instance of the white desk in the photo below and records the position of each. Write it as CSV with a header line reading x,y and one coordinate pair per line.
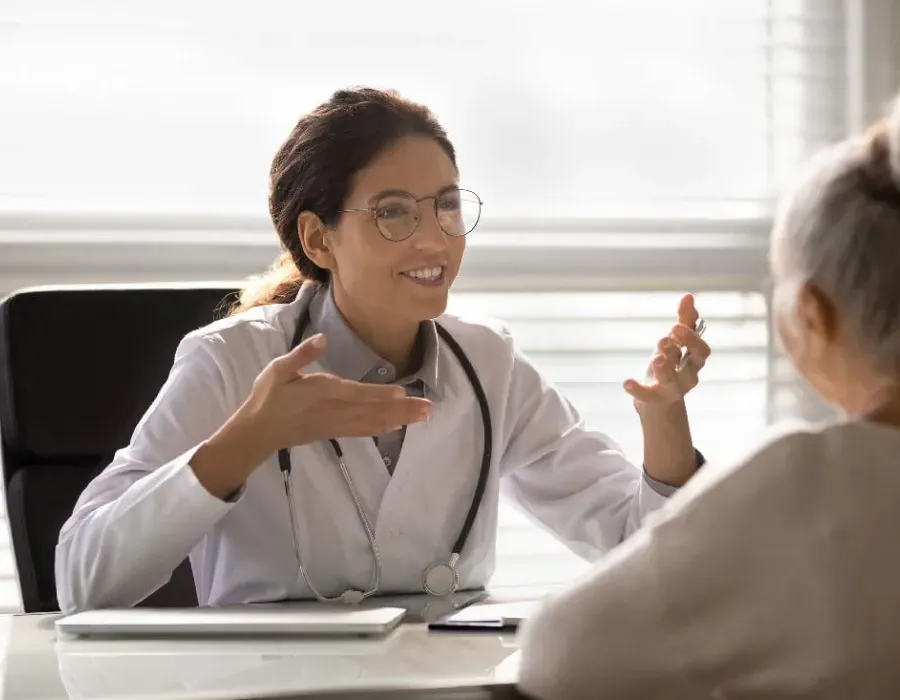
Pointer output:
x,y
411,662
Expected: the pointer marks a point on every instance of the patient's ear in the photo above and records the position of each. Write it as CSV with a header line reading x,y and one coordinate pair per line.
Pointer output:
x,y
311,231
816,317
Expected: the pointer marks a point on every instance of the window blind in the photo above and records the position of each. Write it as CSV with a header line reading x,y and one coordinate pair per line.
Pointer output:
x,y
626,152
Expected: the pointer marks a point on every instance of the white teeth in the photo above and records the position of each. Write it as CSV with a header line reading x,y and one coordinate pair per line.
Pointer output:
x,y
425,273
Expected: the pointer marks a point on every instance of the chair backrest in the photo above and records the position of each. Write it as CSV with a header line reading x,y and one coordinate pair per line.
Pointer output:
x,y
79,365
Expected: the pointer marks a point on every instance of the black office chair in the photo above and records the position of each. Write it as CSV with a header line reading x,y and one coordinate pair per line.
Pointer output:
x,y
78,367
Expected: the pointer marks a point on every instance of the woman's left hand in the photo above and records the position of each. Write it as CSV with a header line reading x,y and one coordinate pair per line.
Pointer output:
x,y
665,383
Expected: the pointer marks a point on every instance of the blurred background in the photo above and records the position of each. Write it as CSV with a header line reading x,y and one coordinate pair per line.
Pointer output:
x,y
627,151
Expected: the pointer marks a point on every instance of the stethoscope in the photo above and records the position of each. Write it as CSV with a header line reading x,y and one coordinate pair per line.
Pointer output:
x,y
440,578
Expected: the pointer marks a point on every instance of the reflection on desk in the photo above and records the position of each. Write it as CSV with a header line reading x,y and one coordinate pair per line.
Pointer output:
x,y
409,663
223,668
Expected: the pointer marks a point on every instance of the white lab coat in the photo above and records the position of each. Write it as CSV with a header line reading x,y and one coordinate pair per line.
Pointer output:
x,y
147,511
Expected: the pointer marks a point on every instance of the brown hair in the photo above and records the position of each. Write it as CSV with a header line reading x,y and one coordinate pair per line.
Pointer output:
x,y
314,170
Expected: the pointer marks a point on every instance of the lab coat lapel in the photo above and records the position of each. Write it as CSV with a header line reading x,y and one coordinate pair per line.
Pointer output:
x,y
435,476
399,502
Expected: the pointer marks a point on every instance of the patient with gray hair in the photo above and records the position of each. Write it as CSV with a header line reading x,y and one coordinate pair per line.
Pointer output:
x,y
778,577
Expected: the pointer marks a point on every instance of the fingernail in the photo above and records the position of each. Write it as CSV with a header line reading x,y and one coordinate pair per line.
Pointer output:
x,y
318,340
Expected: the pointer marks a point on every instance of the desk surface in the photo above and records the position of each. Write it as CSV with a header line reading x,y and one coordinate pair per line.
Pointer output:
x,y
411,662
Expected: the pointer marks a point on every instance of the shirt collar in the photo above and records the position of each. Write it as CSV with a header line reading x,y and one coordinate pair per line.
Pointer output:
x,y
347,356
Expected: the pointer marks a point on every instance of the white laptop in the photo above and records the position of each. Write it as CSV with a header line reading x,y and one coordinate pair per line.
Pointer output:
x,y
237,621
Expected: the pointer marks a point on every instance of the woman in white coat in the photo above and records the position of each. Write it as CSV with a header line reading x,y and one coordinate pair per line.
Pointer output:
x,y
257,457
778,577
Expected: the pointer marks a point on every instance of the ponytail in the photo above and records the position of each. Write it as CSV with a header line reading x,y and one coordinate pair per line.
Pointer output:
x,y
279,285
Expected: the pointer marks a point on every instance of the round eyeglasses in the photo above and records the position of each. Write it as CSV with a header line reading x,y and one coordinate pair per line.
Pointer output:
x,y
397,214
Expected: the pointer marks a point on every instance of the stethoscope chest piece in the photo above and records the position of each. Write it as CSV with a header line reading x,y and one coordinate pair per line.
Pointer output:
x,y
441,578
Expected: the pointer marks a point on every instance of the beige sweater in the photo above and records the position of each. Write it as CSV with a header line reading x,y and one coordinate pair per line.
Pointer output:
x,y
776,578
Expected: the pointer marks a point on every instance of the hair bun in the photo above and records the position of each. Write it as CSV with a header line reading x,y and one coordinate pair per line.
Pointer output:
x,y
879,159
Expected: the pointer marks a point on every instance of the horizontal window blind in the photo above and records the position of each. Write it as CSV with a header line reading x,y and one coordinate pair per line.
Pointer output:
x,y
565,116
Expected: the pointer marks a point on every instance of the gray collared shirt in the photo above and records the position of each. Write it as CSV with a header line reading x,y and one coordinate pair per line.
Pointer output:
x,y
347,356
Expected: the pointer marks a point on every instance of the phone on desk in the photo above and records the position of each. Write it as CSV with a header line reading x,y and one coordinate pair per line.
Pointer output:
x,y
487,617
448,624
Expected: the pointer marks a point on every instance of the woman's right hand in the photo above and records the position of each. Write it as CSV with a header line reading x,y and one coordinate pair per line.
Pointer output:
x,y
288,407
